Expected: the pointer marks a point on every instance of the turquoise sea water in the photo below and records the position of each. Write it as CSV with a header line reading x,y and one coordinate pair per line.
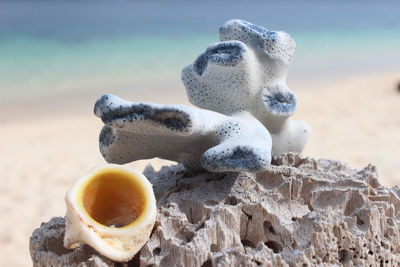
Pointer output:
x,y
49,48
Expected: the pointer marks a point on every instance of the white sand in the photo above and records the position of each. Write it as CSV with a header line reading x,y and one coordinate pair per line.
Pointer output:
x,y
356,121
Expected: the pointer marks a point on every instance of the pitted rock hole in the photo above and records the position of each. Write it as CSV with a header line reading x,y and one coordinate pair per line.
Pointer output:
x,y
247,243
268,228
201,225
275,246
207,263
362,220
197,213
231,200
156,251
185,235
188,236
355,202
213,248
344,256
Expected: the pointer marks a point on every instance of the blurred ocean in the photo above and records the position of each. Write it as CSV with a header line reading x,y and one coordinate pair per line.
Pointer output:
x,y
54,48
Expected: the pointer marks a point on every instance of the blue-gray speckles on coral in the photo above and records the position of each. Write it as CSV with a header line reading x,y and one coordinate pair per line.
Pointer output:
x,y
224,54
117,112
106,137
275,43
256,84
281,103
197,138
235,157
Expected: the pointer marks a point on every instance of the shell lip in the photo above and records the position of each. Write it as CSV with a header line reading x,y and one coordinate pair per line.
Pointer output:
x,y
77,190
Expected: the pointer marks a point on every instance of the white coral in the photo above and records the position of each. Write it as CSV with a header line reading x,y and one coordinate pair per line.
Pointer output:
x,y
197,138
247,72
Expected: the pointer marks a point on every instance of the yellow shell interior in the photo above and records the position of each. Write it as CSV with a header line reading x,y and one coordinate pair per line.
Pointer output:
x,y
113,198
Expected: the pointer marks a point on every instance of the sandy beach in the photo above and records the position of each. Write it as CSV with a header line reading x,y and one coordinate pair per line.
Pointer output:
x,y
356,121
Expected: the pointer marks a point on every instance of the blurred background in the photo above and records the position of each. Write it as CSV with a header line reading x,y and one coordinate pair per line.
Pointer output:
x,y
58,57
81,49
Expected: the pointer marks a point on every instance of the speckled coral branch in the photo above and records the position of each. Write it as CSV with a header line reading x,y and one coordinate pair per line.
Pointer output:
x,y
247,72
197,138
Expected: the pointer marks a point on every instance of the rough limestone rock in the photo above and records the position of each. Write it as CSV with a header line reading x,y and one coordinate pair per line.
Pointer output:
x,y
47,248
300,211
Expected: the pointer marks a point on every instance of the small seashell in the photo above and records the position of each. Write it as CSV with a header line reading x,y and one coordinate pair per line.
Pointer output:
x,y
112,209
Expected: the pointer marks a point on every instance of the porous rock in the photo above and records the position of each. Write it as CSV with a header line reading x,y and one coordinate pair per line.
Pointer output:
x,y
47,248
300,211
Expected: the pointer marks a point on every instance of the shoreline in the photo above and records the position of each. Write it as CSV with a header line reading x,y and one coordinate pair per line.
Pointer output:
x,y
167,89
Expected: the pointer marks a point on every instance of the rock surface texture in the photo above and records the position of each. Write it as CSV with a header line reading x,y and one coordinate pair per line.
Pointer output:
x,y
300,211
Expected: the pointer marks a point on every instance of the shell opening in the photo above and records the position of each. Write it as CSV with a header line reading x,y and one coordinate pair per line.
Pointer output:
x,y
114,198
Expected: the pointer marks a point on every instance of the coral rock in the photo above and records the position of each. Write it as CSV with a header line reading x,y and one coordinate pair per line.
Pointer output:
x,y
247,71
299,211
